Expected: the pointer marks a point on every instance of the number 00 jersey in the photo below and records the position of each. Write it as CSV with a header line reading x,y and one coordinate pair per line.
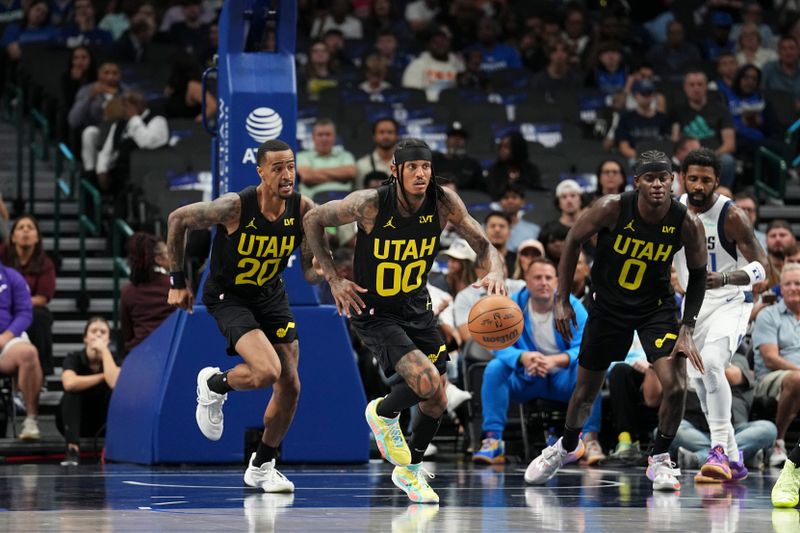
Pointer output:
x,y
392,261
632,267
250,259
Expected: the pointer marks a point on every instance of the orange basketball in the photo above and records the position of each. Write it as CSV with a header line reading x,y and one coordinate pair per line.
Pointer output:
x,y
495,322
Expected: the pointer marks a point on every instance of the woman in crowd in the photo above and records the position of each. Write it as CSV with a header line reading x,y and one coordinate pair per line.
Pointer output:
x,y
512,165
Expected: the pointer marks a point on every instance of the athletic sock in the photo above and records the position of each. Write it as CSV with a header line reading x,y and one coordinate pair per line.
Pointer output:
x,y
425,428
264,454
219,383
661,445
569,441
794,455
401,397
718,430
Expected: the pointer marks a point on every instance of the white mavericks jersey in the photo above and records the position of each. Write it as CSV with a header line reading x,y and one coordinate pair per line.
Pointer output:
x,y
723,256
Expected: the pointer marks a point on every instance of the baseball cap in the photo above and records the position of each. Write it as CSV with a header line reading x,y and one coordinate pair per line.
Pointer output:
x,y
568,186
644,86
460,249
456,128
531,243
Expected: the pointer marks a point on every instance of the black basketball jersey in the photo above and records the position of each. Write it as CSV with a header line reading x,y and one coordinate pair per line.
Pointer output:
x,y
392,261
250,259
632,267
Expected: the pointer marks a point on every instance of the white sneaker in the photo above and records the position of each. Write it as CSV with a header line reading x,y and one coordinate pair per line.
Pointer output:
x,y
455,397
209,405
30,429
544,467
662,472
266,477
778,456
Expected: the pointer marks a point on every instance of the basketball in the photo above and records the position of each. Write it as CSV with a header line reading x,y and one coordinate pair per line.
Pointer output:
x,y
495,322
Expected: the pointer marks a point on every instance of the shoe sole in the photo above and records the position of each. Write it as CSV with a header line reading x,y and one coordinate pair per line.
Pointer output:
x,y
200,411
666,487
488,460
30,437
700,478
379,443
715,472
784,505
411,495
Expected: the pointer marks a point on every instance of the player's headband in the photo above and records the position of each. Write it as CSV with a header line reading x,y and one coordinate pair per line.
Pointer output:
x,y
413,153
652,166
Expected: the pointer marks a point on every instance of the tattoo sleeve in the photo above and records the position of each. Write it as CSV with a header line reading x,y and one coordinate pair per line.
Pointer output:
x,y
487,257
200,215
306,255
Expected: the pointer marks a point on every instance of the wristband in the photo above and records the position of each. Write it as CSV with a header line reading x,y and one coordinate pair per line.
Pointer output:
x,y
755,271
177,280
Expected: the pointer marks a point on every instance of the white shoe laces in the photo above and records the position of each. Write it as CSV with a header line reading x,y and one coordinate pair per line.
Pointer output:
x,y
550,453
422,473
666,467
396,434
214,402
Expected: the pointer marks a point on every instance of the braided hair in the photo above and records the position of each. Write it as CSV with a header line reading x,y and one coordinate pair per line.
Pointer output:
x,y
434,186
142,257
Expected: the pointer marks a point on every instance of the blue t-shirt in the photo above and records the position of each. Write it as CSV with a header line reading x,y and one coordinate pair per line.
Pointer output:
x,y
15,34
740,104
500,57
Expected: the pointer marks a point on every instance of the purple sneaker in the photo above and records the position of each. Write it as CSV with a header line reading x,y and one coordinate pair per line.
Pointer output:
x,y
738,470
717,465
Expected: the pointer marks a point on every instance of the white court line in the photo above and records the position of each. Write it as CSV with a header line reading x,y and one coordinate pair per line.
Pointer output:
x,y
603,484
166,497
170,503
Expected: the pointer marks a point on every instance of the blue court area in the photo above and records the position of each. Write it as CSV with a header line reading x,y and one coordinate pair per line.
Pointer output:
x,y
115,497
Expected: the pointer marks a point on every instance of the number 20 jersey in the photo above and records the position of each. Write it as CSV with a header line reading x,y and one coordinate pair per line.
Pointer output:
x,y
633,263
393,260
248,261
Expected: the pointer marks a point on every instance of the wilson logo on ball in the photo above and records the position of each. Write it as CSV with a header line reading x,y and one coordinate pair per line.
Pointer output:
x,y
264,124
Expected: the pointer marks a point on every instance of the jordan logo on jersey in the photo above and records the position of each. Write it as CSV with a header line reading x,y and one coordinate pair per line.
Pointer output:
x,y
252,224
389,223
630,226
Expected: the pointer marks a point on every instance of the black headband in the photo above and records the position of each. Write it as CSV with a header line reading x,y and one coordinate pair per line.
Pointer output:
x,y
414,153
652,166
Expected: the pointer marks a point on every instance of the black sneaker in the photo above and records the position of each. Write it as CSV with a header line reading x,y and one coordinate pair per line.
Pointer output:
x,y
71,458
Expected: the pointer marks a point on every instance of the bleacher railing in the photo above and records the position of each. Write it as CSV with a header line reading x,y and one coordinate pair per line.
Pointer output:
x,y
763,186
65,162
38,148
119,230
86,225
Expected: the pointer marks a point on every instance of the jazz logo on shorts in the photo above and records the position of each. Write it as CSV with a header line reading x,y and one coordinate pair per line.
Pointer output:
x,y
435,356
281,333
669,336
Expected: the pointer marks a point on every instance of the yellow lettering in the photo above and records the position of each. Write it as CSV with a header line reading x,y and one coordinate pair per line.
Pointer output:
x,y
272,248
377,251
242,239
410,251
636,244
261,240
427,246
288,221
662,254
397,245
647,252
287,245
618,246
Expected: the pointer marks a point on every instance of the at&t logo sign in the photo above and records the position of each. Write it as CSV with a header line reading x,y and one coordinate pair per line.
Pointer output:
x,y
262,124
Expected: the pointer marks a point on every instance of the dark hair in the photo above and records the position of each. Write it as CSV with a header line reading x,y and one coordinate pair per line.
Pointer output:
x,y
91,71
37,258
384,119
779,223
519,148
787,37
515,187
274,145
24,22
694,70
744,195
142,257
553,232
383,177
621,169
792,249
737,79
702,157
541,261
434,186
681,142
648,157
94,319
497,214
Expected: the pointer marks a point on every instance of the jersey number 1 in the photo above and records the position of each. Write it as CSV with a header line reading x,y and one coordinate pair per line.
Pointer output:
x,y
625,274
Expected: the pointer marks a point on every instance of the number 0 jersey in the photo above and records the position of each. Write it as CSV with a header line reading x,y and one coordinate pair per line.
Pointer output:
x,y
632,267
393,260
249,260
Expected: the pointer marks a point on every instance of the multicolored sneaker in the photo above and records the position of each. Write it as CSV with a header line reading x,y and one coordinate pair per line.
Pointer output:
x,y
786,492
717,465
388,435
778,456
411,480
544,467
662,472
594,453
493,451
738,469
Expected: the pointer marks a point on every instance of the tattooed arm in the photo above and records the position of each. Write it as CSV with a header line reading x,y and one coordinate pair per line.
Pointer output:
x,y
306,256
358,206
488,258
224,210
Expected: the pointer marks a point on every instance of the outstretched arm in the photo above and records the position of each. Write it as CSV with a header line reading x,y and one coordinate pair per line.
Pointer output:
x,y
306,255
739,230
488,259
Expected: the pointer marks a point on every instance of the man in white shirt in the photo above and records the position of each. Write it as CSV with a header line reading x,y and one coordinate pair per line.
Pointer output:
x,y
435,69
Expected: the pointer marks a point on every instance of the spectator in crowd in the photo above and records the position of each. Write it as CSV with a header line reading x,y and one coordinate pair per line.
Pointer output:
x,y
719,41
558,76
692,443
18,357
581,281
497,227
776,339
334,40
375,71
748,203
143,304
32,29
553,237
460,267
80,71
191,33
61,12
683,146
26,255
609,74
611,178
374,179
511,204
384,137
435,69
707,120
575,32
784,74
386,46
132,46
569,200
671,59
791,254
327,167
473,77
540,364
419,14
511,166
644,72
753,15
177,13
84,30
634,397
643,124
116,18
495,55
184,90
385,17
727,65
89,377
138,129
779,237
339,18
319,73
750,47
753,117
527,251
465,171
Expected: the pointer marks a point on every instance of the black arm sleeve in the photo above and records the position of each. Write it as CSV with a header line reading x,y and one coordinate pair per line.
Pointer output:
x,y
695,292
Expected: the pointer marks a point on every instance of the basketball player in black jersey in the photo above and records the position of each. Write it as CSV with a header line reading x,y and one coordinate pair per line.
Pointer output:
x,y
638,234
258,229
399,225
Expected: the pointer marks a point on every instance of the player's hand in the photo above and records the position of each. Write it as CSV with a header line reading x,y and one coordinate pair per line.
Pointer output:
x,y
564,317
713,280
493,282
642,365
317,267
444,304
182,298
685,347
345,293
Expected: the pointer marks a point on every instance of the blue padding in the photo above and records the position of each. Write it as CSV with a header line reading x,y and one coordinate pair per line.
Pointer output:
x,y
151,416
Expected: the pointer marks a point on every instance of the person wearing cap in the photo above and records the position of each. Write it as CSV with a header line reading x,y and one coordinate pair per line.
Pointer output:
x,y
527,251
511,204
384,137
720,40
435,69
644,123
569,200
460,266
465,171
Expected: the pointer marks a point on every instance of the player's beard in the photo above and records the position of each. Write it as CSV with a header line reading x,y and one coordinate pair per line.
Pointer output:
x,y
698,199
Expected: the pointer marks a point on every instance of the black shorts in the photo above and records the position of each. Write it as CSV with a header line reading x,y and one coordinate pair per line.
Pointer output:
x,y
390,337
269,311
608,334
